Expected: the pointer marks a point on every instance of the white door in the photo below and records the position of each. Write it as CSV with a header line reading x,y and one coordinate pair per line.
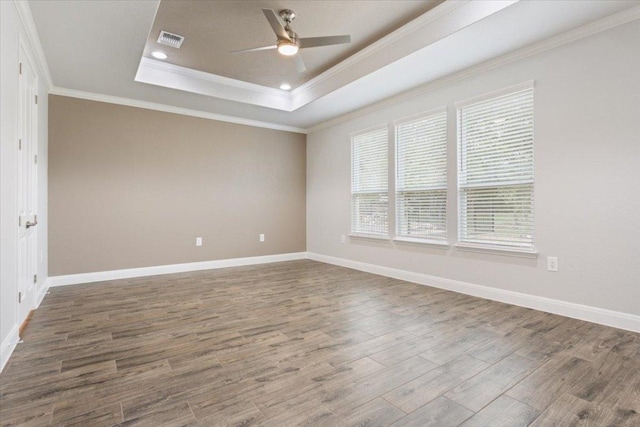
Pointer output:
x,y
27,185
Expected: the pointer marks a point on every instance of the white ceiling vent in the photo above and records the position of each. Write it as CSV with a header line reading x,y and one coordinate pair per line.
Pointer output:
x,y
170,39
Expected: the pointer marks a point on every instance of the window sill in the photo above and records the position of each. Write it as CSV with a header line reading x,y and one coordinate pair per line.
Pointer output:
x,y
514,252
380,237
422,242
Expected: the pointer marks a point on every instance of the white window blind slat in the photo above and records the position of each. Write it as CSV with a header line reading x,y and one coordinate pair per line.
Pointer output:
x,y
496,171
369,182
421,177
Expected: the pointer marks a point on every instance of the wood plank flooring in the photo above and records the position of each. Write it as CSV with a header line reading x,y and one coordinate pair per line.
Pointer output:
x,y
306,343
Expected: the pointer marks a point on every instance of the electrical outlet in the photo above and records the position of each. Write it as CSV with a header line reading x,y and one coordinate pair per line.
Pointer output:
x,y
343,239
262,237
552,263
198,241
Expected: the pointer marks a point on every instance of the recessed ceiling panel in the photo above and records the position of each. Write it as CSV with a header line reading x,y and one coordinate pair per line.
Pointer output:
x,y
214,28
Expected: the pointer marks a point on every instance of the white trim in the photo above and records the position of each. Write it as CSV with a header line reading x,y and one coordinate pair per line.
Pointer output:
x,y
587,30
436,24
33,39
380,237
443,244
8,345
369,129
528,85
495,250
584,31
155,72
43,292
432,26
616,319
72,93
405,31
214,78
417,116
11,341
74,279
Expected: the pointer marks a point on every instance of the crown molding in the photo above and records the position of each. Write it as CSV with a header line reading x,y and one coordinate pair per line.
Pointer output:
x,y
391,38
440,22
584,31
587,30
72,93
410,29
161,65
575,34
164,74
26,18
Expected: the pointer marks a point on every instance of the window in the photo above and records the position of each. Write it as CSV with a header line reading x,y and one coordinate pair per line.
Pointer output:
x,y
421,177
369,182
495,170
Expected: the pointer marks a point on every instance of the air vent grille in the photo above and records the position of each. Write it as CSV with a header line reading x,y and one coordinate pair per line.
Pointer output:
x,y
170,39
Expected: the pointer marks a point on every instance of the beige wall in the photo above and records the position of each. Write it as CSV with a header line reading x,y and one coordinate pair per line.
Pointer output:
x,y
587,179
130,187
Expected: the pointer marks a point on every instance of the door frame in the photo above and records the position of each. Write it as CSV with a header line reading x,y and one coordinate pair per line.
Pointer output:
x,y
27,183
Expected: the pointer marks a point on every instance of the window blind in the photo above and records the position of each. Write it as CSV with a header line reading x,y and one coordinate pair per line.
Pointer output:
x,y
421,177
369,182
496,171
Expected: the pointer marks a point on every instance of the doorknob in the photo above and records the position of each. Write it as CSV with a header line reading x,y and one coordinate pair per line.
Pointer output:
x,y
32,224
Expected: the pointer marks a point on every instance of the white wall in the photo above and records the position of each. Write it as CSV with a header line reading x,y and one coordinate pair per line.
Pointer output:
x,y
12,31
587,186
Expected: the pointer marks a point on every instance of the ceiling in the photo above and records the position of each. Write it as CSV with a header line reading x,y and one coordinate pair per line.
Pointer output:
x,y
214,28
99,50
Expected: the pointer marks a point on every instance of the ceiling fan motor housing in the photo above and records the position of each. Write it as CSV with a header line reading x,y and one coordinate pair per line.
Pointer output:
x,y
288,15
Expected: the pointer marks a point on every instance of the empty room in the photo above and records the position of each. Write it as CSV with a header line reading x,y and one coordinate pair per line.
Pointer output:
x,y
323,213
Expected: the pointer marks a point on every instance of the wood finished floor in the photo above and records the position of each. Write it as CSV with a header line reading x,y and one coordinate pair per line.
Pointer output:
x,y
306,343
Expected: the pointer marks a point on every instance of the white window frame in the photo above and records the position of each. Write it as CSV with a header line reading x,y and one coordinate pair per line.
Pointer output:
x,y
399,164
356,227
464,242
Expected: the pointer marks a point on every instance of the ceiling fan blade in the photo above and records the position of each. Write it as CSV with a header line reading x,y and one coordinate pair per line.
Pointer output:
x,y
299,63
255,49
275,24
323,41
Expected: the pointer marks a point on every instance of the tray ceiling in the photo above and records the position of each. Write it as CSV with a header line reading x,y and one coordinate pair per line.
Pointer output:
x,y
214,28
94,50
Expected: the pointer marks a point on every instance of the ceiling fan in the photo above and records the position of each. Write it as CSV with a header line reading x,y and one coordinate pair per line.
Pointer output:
x,y
288,42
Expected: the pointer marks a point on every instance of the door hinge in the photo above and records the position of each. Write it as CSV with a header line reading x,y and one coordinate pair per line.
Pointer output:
x,y
19,297
19,221
36,96
20,70
20,144
35,278
35,159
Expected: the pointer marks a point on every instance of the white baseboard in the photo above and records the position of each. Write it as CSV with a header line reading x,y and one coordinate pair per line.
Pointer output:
x,y
8,345
616,319
40,295
74,279
11,340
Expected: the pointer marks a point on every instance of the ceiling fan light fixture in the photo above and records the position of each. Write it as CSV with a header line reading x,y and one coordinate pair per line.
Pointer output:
x,y
287,48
